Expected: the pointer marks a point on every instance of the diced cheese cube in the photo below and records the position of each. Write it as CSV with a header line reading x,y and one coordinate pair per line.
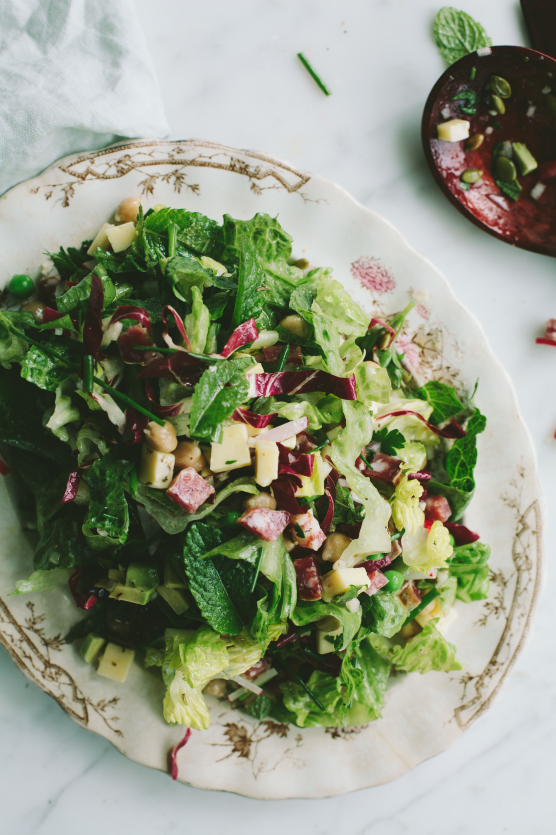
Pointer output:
x,y
339,580
324,645
267,456
353,605
233,453
313,485
454,130
433,610
156,468
255,369
115,662
289,443
121,236
252,431
100,241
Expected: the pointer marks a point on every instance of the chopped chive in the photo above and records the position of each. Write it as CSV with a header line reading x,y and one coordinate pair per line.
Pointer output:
x,y
282,358
397,535
313,74
128,401
172,239
299,680
171,351
88,373
133,480
362,457
473,73
257,569
428,598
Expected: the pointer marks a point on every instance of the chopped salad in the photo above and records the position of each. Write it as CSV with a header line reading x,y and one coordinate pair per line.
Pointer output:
x,y
231,467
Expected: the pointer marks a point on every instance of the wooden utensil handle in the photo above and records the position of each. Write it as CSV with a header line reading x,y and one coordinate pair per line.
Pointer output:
x,y
540,17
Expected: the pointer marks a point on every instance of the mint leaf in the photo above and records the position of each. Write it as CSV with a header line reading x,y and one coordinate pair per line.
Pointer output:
x,y
47,373
260,708
457,34
221,389
442,398
198,232
62,544
390,440
350,594
461,459
345,511
219,585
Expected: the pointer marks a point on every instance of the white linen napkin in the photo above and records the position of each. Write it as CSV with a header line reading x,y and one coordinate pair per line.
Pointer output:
x,y
75,75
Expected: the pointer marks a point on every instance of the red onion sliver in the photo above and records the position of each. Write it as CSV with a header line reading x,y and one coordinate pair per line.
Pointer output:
x,y
287,430
173,755
452,430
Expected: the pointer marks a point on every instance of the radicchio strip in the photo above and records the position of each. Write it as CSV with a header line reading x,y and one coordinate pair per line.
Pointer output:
x,y
51,315
81,600
247,332
300,382
373,565
461,534
129,311
180,367
92,328
549,337
4,469
136,335
164,411
173,754
169,310
272,352
452,430
283,490
330,494
252,419
72,486
294,463
135,425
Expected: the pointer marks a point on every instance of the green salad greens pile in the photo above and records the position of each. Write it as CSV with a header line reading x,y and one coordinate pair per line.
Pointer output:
x,y
234,472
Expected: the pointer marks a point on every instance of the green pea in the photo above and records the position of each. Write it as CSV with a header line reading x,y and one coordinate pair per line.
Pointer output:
x,y
505,169
500,87
21,286
471,175
395,580
499,105
231,518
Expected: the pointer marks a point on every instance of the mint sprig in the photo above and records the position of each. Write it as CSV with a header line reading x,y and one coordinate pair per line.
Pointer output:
x,y
457,34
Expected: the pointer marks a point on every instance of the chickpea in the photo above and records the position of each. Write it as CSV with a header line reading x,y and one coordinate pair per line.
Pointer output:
x,y
289,545
334,547
36,308
262,500
216,687
161,438
296,324
128,210
188,454
83,495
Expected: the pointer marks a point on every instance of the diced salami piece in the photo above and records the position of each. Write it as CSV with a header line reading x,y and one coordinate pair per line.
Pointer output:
x,y
256,670
189,490
377,581
306,531
385,468
265,523
309,581
409,595
272,353
437,509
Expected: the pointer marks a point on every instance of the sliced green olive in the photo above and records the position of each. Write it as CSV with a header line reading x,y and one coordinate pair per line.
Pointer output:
x,y
505,169
471,175
499,104
500,86
474,142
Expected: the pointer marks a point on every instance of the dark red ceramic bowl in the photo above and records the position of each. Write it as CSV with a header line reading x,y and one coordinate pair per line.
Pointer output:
x,y
527,223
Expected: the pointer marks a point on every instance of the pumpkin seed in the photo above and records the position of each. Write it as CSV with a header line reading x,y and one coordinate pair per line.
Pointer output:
x,y
500,87
505,169
474,142
471,175
499,104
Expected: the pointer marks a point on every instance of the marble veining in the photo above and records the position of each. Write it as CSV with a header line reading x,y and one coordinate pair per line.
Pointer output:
x,y
228,73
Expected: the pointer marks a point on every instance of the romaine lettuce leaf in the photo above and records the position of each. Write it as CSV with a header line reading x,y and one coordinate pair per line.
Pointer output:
x,y
13,347
184,272
222,388
461,458
383,613
62,544
345,449
197,322
469,566
310,611
64,412
338,307
81,292
423,653
107,521
373,384
197,231
43,581
276,604
44,372
443,399
185,705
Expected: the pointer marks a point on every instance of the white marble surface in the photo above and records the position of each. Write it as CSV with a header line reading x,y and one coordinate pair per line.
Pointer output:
x,y
228,72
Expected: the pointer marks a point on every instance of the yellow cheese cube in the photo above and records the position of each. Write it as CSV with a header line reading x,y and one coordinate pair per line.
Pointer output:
x,y
324,645
115,662
433,610
267,456
121,236
453,130
339,580
289,442
255,369
100,241
156,468
253,431
313,485
233,452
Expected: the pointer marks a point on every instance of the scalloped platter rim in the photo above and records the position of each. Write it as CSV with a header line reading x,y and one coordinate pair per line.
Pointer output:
x,y
423,715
